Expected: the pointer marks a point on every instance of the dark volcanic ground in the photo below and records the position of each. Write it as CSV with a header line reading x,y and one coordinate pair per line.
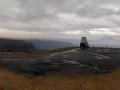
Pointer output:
x,y
73,62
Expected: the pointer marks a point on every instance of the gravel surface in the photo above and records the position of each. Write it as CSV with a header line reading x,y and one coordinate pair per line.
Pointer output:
x,y
73,62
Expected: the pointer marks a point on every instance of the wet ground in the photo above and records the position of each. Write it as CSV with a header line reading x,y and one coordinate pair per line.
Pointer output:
x,y
73,62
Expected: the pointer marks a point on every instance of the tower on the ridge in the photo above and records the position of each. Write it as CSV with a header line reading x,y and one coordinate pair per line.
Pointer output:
x,y
84,43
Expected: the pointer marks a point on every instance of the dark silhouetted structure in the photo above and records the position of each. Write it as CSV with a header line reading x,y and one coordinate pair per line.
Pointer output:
x,y
84,43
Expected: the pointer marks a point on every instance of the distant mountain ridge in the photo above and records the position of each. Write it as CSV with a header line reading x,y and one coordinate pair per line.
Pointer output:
x,y
16,45
50,44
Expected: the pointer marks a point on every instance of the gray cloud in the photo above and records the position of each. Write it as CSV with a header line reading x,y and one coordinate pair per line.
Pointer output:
x,y
67,18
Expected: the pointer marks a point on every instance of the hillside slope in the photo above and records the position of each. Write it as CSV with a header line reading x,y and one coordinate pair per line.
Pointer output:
x,y
16,45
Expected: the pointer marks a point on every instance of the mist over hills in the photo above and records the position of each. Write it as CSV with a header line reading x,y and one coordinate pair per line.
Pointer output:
x,y
32,44
50,44
28,45
106,41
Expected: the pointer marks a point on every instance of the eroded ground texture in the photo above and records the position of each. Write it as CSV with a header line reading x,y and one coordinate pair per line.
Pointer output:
x,y
73,62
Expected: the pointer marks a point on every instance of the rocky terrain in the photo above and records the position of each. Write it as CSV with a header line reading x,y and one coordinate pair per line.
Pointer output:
x,y
76,69
72,62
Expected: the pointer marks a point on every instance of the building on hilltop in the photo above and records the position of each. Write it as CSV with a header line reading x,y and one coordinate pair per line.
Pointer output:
x,y
84,43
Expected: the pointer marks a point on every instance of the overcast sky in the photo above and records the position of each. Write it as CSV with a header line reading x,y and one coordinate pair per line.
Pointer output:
x,y
60,19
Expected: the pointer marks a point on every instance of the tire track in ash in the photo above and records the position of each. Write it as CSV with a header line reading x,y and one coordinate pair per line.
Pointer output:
x,y
77,60
99,56
72,62
102,63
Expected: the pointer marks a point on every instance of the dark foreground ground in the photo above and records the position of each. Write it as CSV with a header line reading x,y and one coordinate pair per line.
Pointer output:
x,y
73,62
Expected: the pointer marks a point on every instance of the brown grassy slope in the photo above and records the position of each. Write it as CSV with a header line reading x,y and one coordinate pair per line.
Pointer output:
x,y
63,49
36,52
12,81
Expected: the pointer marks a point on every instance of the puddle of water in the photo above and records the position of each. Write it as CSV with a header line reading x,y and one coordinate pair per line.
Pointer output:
x,y
96,68
74,50
97,57
82,65
70,62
